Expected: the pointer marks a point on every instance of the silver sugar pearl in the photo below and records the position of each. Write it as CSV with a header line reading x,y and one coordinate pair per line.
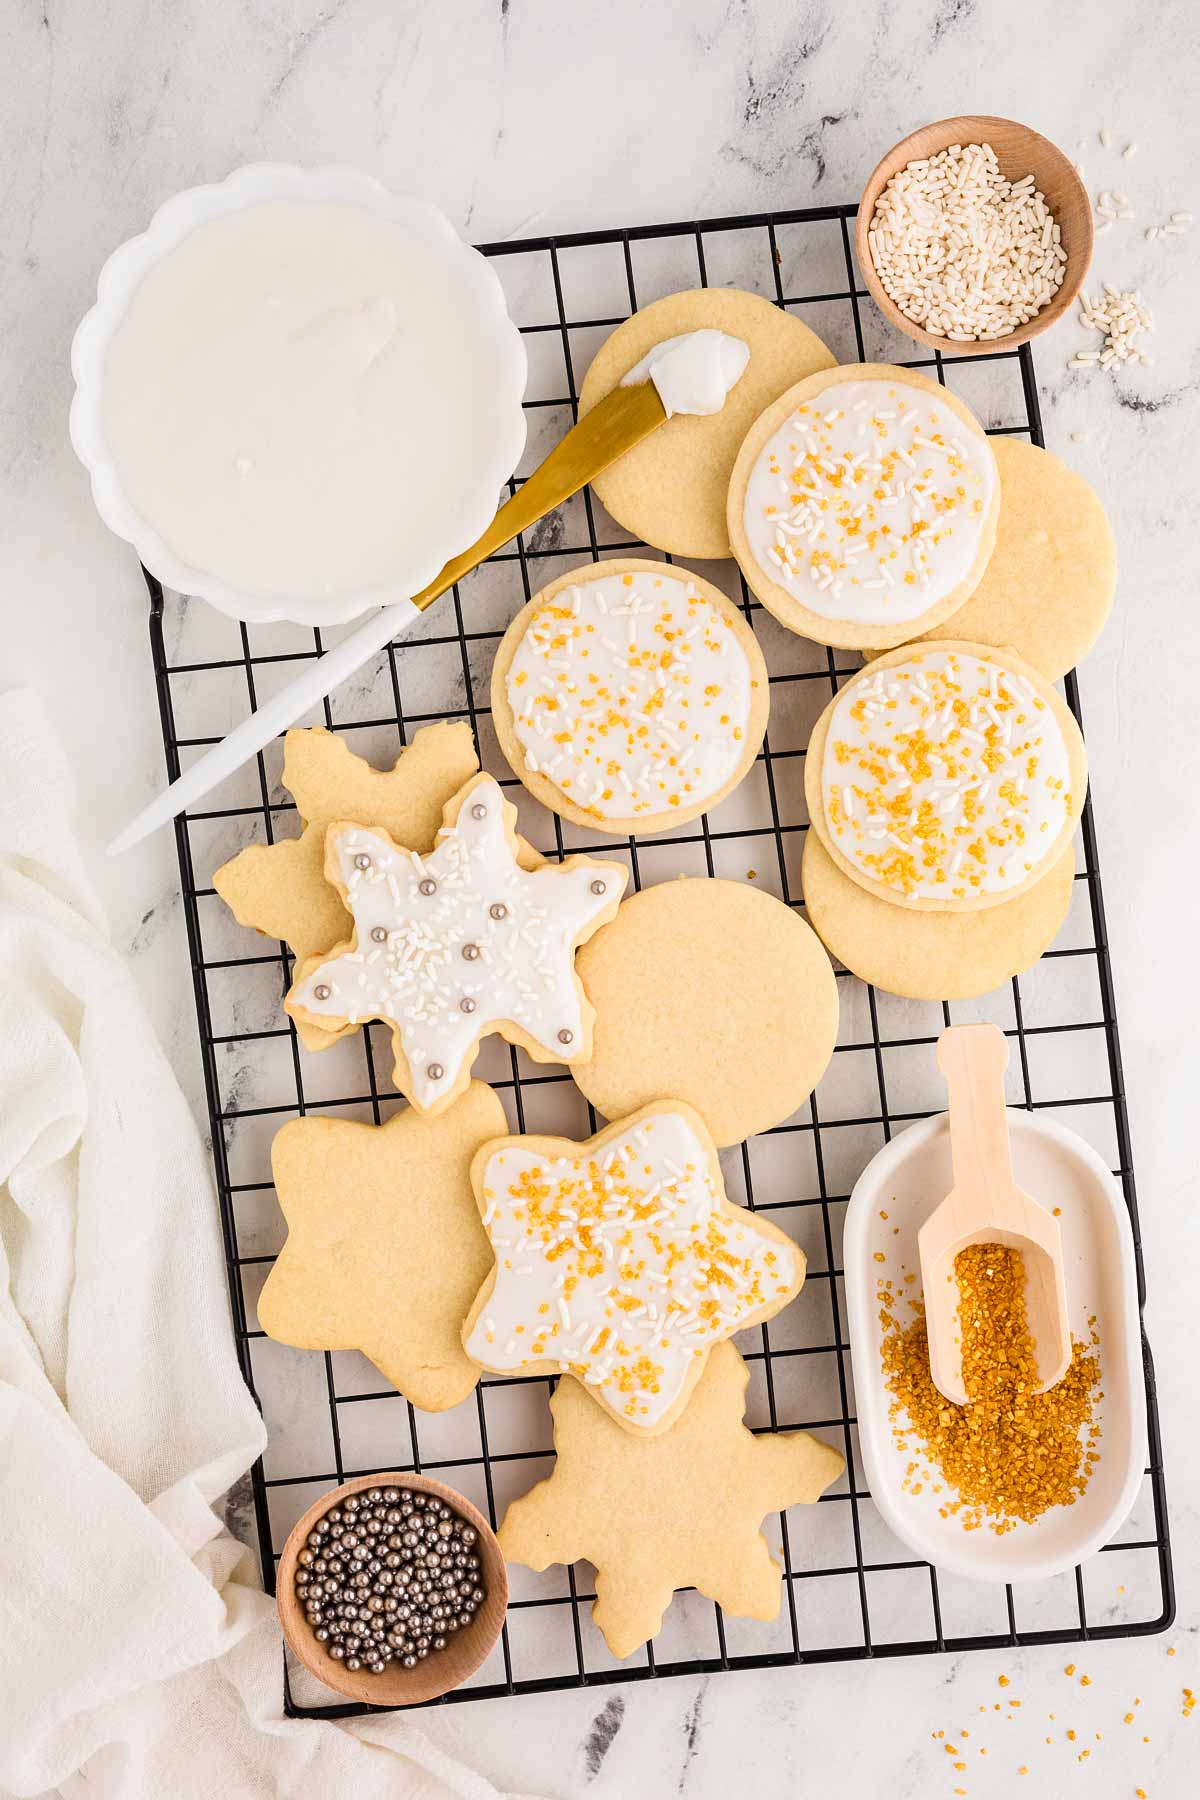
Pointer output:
x,y
379,934
435,1071
467,1005
427,887
470,954
565,1036
599,887
498,910
322,991
479,810
362,861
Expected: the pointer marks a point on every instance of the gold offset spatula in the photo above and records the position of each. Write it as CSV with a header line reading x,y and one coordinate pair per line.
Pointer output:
x,y
614,426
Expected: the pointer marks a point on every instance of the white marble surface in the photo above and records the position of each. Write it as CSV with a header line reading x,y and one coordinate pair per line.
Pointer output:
x,y
519,118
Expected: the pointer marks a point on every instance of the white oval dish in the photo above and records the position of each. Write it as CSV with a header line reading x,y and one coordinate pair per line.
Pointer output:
x,y
907,1179
488,458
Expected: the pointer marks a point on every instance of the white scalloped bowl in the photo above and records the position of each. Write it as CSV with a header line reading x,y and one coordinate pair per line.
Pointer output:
x,y
488,456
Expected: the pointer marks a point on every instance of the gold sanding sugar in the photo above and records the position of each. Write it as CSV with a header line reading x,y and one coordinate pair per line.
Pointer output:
x,y
1011,1453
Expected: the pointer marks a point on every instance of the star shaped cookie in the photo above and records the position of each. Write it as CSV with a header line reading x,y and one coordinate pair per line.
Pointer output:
x,y
385,1250
458,943
621,1261
680,1510
280,889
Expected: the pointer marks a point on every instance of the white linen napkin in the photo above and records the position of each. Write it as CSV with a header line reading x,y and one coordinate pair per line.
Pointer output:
x,y
138,1656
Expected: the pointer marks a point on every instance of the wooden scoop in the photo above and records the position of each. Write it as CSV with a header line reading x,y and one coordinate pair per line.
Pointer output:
x,y
985,1206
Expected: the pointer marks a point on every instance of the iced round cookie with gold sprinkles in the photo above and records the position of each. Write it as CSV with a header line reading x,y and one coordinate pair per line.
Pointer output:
x,y
932,955
862,506
946,777
1049,586
621,1261
670,489
463,941
629,696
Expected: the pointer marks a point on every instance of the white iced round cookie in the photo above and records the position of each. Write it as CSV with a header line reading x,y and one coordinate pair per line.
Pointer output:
x,y
947,777
621,1261
458,943
629,696
863,506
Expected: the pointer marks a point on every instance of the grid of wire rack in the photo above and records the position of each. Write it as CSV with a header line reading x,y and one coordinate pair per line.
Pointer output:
x,y
851,1591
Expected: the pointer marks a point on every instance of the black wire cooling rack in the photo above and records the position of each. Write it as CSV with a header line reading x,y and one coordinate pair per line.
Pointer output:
x,y
850,1591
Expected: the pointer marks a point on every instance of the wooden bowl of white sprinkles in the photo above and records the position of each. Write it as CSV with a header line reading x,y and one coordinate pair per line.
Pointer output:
x,y
971,253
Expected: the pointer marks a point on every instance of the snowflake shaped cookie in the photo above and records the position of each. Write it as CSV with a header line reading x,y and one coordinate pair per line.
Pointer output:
x,y
462,942
621,1261
680,1510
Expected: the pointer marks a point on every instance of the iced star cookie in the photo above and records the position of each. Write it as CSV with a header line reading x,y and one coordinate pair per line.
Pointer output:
x,y
280,889
862,506
1049,585
622,1262
385,1251
670,489
932,955
629,696
458,943
680,1510
712,992
946,776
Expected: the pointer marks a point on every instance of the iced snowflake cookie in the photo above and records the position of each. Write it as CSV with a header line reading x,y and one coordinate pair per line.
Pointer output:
x,y
681,1510
458,943
862,506
385,1251
622,1262
1049,585
946,777
670,489
712,992
629,696
280,889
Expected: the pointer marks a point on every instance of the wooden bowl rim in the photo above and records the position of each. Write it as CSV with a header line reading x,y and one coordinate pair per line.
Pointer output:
x,y
397,1686
905,152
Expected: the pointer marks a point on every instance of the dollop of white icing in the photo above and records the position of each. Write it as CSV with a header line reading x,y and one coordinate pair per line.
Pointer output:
x,y
693,372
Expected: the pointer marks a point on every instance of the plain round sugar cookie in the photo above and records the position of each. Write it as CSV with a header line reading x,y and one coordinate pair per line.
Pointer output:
x,y
862,506
670,489
1049,586
946,777
630,696
932,955
711,992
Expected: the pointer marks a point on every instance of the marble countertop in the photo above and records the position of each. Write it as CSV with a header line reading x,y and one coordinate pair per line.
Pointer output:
x,y
519,118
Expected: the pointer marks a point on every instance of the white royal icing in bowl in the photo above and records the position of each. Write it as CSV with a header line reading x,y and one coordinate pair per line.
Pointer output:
x,y
298,395
870,501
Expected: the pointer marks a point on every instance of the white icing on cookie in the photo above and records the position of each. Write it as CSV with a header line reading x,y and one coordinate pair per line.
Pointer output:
x,y
869,502
631,694
448,945
623,1265
694,371
945,776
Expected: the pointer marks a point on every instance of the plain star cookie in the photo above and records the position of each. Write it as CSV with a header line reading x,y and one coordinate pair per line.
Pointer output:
x,y
862,506
385,1251
670,489
712,992
947,776
681,1510
622,1262
458,943
629,696
1048,588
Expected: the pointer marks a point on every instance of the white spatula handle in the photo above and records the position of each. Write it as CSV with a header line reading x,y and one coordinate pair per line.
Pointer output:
x,y
253,734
